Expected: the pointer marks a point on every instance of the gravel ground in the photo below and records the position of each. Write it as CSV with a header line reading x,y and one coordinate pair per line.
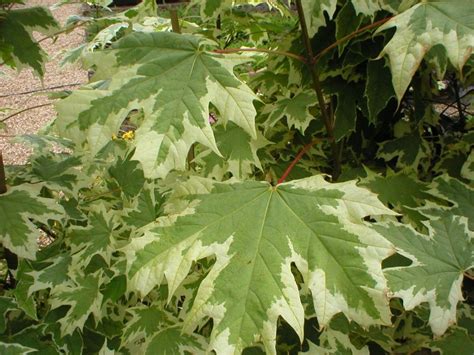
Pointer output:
x,y
13,83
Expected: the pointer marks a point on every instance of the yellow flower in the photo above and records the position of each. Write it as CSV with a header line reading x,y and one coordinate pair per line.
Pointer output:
x,y
129,135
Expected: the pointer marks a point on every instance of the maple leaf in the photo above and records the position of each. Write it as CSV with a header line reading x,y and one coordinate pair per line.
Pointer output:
x,y
295,109
256,231
239,153
377,92
404,192
458,341
173,81
314,13
97,238
423,26
459,195
52,275
57,172
18,208
18,48
158,332
467,170
409,150
15,348
436,274
84,298
213,8
335,342
143,209
7,304
128,175
370,7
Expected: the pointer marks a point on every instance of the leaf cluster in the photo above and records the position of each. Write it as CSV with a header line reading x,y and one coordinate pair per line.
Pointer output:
x,y
287,181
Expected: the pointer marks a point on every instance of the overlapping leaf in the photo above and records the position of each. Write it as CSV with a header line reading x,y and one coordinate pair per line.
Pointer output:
x,y
239,153
370,7
97,238
172,80
335,342
423,26
295,109
151,330
459,195
437,271
18,48
409,150
401,191
314,12
14,349
84,298
256,231
52,275
18,208
213,8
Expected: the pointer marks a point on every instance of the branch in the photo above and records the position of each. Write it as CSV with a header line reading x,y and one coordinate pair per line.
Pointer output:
x,y
350,36
297,159
71,28
24,110
314,74
42,89
261,50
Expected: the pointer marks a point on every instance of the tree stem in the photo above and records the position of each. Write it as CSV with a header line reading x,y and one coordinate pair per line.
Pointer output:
x,y
174,20
11,258
3,180
327,117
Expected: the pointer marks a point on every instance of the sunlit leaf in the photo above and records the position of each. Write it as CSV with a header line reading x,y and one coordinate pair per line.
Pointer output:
x,y
256,231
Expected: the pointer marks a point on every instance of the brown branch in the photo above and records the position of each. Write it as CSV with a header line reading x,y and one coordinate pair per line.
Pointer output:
x,y
295,161
174,20
261,50
3,180
350,36
10,257
24,110
328,118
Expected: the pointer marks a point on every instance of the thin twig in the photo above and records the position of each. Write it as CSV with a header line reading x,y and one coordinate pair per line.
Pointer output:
x,y
261,50
42,89
350,36
295,161
71,28
24,110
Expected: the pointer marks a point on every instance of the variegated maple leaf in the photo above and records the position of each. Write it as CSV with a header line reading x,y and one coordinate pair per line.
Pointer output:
x,y
173,80
423,26
19,208
255,232
436,274
18,48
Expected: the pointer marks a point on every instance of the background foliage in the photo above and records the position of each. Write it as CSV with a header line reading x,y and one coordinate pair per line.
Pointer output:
x,y
166,222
